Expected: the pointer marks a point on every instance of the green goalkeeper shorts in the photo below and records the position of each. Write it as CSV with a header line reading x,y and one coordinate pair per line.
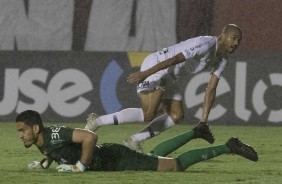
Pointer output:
x,y
116,157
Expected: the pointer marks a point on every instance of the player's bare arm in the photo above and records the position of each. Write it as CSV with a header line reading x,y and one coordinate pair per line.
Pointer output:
x,y
141,75
88,141
209,97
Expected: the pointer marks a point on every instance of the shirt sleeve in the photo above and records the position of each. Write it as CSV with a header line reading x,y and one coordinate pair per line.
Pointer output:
x,y
66,133
61,134
221,67
197,47
193,53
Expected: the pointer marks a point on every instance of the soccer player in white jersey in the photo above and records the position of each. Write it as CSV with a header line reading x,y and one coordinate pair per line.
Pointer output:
x,y
157,83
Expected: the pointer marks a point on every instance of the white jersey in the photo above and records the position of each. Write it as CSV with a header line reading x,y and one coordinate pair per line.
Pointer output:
x,y
200,54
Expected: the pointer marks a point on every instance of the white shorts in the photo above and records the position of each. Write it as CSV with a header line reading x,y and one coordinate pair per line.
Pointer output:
x,y
160,80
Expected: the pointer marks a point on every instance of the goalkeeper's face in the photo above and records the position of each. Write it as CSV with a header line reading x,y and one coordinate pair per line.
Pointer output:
x,y
27,133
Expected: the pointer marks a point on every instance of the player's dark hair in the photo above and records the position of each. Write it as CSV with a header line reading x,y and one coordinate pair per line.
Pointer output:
x,y
30,118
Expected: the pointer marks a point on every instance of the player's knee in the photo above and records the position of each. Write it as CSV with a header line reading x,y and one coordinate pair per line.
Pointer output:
x,y
176,117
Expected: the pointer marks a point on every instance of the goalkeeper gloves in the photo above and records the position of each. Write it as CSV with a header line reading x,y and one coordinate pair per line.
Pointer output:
x,y
78,167
34,165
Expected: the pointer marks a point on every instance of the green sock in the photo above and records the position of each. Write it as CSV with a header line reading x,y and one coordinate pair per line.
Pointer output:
x,y
169,145
194,156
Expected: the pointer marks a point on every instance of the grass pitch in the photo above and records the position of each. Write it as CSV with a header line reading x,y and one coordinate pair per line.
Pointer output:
x,y
223,169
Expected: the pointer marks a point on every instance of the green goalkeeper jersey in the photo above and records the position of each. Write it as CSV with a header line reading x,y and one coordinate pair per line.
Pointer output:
x,y
59,147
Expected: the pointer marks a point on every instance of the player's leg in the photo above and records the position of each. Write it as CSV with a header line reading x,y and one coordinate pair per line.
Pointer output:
x,y
128,115
162,122
172,100
233,145
167,164
197,155
170,145
174,108
151,91
172,105
157,126
150,103
189,158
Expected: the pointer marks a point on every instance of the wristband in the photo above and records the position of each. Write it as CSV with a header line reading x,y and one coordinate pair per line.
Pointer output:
x,y
44,163
80,165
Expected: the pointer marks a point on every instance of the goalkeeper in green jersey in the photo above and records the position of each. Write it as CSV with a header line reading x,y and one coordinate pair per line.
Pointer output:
x,y
75,150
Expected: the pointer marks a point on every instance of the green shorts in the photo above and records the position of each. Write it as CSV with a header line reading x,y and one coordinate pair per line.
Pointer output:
x,y
116,157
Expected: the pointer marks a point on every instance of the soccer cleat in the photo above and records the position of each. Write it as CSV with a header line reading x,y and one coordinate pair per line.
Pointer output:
x,y
133,145
239,148
92,123
202,131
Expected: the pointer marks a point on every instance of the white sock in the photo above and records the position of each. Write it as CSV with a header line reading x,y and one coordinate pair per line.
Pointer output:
x,y
129,115
156,126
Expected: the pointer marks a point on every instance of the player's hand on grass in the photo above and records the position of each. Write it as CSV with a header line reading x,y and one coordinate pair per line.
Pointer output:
x,y
34,165
79,167
68,168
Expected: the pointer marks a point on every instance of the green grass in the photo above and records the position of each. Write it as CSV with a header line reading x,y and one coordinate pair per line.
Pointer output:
x,y
224,169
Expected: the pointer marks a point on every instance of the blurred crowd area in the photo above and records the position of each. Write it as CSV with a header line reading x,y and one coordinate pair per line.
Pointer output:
x,y
134,25
260,20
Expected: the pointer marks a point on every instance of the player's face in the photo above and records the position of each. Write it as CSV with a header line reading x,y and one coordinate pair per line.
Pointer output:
x,y
232,40
26,133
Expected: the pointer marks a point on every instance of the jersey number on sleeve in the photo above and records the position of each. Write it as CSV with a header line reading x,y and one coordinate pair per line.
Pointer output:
x,y
55,134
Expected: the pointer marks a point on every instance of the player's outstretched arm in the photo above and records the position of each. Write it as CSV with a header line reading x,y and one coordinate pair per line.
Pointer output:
x,y
209,97
141,75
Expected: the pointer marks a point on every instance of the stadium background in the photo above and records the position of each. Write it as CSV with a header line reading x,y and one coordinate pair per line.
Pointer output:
x,y
68,58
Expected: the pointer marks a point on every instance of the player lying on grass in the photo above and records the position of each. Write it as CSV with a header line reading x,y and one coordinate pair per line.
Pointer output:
x,y
75,150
